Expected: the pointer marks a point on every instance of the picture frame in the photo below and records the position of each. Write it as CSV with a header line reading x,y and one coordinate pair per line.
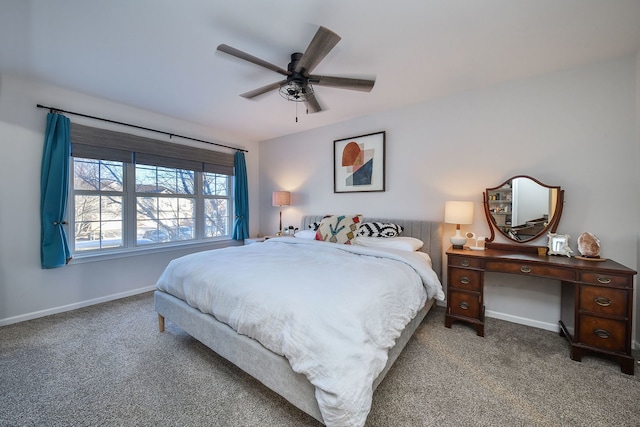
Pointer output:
x,y
359,163
559,244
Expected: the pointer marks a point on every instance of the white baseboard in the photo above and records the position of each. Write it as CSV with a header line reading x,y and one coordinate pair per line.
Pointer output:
x,y
74,306
554,327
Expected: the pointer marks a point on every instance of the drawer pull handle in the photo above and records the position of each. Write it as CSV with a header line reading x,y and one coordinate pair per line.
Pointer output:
x,y
604,280
465,263
601,333
525,269
465,280
464,305
602,301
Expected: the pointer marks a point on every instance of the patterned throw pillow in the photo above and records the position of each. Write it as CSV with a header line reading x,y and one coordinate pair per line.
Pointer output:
x,y
314,226
379,229
339,229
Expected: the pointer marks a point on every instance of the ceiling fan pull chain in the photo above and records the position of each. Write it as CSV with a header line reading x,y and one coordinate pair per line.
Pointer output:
x,y
296,112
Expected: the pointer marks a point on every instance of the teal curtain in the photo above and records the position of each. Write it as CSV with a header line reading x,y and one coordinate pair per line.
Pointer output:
x,y
241,198
54,189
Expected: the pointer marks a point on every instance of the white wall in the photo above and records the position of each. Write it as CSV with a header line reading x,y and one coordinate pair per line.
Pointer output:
x,y
575,128
27,291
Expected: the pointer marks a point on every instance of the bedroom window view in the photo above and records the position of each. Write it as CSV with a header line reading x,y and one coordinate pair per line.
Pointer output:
x,y
164,210
216,205
165,202
98,197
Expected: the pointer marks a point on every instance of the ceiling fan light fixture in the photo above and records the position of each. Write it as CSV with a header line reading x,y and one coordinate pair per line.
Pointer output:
x,y
296,92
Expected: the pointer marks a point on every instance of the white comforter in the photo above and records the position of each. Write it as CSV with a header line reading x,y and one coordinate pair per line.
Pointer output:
x,y
332,310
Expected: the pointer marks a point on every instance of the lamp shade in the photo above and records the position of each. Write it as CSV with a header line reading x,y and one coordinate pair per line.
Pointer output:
x,y
458,212
281,198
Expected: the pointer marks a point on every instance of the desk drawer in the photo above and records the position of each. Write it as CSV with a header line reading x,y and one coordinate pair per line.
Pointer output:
x,y
464,304
456,261
604,279
604,333
464,279
599,299
525,269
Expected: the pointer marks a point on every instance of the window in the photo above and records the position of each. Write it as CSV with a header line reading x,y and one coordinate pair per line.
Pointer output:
x,y
217,214
98,198
139,197
164,205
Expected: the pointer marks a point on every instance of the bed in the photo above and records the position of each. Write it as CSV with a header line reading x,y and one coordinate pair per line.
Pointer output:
x,y
277,365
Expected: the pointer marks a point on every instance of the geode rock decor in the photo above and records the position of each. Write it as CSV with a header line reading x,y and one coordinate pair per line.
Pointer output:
x,y
589,245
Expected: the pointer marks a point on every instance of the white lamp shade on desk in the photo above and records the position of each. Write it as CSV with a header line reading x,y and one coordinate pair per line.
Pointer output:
x,y
458,212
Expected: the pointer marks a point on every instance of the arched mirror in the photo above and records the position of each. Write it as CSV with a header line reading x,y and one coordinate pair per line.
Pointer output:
x,y
523,209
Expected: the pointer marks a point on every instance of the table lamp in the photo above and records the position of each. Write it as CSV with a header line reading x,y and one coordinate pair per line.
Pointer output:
x,y
280,199
458,213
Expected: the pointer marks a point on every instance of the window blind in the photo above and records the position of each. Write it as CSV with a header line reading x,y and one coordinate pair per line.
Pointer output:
x,y
102,144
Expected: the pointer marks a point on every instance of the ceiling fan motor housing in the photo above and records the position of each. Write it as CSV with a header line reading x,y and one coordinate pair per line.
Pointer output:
x,y
297,86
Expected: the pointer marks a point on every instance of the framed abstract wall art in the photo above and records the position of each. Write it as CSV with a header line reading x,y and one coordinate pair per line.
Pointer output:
x,y
358,163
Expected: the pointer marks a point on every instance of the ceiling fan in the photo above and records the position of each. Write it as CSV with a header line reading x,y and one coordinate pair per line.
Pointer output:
x,y
298,83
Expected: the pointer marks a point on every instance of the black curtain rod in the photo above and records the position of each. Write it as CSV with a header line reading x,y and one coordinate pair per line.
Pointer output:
x,y
171,135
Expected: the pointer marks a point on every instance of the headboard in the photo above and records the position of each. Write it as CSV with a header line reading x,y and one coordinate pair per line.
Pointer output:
x,y
430,232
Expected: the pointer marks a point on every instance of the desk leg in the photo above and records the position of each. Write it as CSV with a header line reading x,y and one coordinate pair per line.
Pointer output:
x,y
576,353
479,327
447,322
627,365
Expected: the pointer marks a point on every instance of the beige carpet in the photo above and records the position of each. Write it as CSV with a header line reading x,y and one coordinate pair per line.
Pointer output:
x,y
108,365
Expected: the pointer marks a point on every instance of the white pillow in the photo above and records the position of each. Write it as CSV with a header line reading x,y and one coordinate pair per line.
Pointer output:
x,y
306,234
403,243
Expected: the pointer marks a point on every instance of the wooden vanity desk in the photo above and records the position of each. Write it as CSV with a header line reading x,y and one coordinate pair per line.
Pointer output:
x,y
596,296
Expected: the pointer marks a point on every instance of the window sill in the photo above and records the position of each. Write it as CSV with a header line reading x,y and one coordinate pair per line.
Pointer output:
x,y
141,251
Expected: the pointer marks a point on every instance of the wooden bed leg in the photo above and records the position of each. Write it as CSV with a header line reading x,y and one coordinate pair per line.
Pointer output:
x,y
160,323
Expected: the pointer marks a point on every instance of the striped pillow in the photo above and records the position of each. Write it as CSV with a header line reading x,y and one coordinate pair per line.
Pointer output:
x,y
379,229
314,226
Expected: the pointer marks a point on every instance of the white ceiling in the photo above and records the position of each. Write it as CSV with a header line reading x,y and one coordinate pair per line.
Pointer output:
x,y
160,55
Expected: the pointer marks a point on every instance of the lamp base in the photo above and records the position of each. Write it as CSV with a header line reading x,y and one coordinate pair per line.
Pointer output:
x,y
458,240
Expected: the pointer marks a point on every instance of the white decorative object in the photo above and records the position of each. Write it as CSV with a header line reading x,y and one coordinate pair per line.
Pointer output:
x,y
559,244
478,239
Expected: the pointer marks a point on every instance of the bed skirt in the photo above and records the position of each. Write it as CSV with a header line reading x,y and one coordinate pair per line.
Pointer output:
x,y
271,369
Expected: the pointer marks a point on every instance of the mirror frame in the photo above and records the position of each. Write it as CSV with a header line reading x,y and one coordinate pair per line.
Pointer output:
x,y
551,227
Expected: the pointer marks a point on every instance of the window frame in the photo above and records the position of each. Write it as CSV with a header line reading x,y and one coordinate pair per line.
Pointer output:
x,y
129,217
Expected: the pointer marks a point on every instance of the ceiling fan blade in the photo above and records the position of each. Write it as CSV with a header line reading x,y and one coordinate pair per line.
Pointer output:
x,y
264,89
245,56
320,46
313,106
363,85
